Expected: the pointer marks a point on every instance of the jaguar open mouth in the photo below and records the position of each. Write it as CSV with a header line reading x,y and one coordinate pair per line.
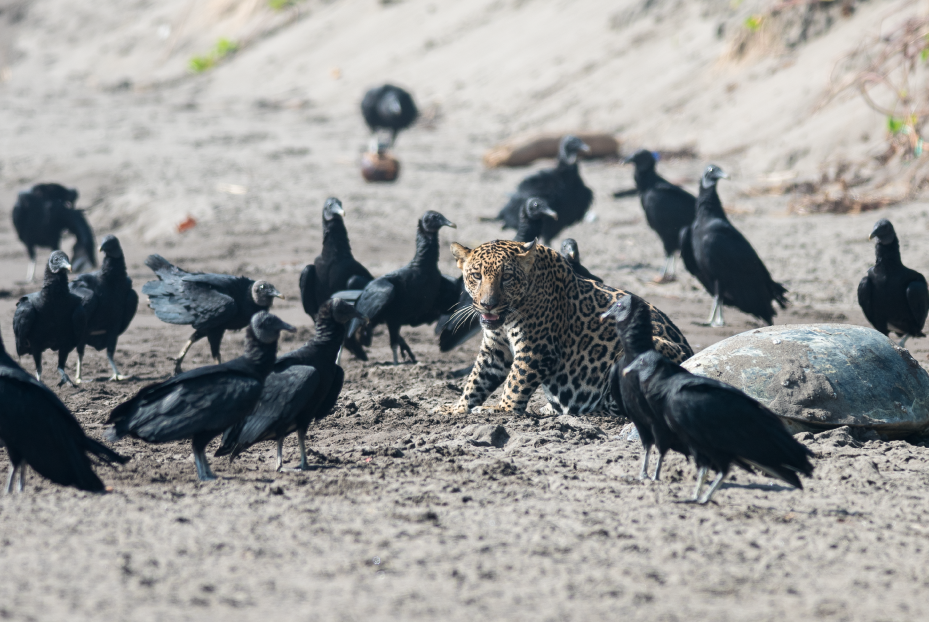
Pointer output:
x,y
491,320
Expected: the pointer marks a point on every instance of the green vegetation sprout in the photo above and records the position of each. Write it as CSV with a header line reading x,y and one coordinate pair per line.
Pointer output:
x,y
223,48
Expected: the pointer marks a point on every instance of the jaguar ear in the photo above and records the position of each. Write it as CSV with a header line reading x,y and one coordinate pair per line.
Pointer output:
x,y
527,259
461,254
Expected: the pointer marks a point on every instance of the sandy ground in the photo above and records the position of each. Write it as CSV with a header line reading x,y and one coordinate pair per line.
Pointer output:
x,y
408,514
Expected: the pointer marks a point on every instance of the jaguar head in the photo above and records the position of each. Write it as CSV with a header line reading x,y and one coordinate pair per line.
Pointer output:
x,y
497,276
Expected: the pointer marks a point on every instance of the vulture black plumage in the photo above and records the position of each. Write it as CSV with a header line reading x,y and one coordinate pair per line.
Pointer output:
x,y
561,187
634,327
390,108
452,333
200,404
42,214
51,319
39,430
109,303
211,303
416,294
892,296
571,252
724,262
334,269
719,425
668,208
302,388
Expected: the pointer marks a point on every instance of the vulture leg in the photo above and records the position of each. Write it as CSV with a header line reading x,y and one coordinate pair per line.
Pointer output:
x,y
301,440
30,270
280,454
658,468
719,315
62,360
709,493
77,369
304,462
204,472
701,479
709,321
215,339
903,341
398,345
197,336
109,357
717,308
667,272
37,357
643,472
180,357
199,443
11,478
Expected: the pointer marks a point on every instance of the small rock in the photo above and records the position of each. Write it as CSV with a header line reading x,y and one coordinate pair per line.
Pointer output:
x,y
490,435
868,435
629,433
839,437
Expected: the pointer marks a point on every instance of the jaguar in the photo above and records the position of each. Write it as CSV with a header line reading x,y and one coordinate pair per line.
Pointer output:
x,y
542,327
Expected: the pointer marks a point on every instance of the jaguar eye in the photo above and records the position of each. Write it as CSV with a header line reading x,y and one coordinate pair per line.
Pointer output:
x,y
476,276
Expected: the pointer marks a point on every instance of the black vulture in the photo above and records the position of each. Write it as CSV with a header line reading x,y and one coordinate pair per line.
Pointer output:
x,y
334,269
561,187
51,319
388,107
719,425
634,327
571,252
416,294
668,208
532,216
38,430
200,404
723,260
452,334
42,214
893,297
303,388
109,302
211,303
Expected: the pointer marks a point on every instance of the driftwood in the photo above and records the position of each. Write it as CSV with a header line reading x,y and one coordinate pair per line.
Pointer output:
x,y
520,152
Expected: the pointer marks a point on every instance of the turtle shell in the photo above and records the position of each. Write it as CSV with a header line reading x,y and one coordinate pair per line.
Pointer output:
x,y
820,376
